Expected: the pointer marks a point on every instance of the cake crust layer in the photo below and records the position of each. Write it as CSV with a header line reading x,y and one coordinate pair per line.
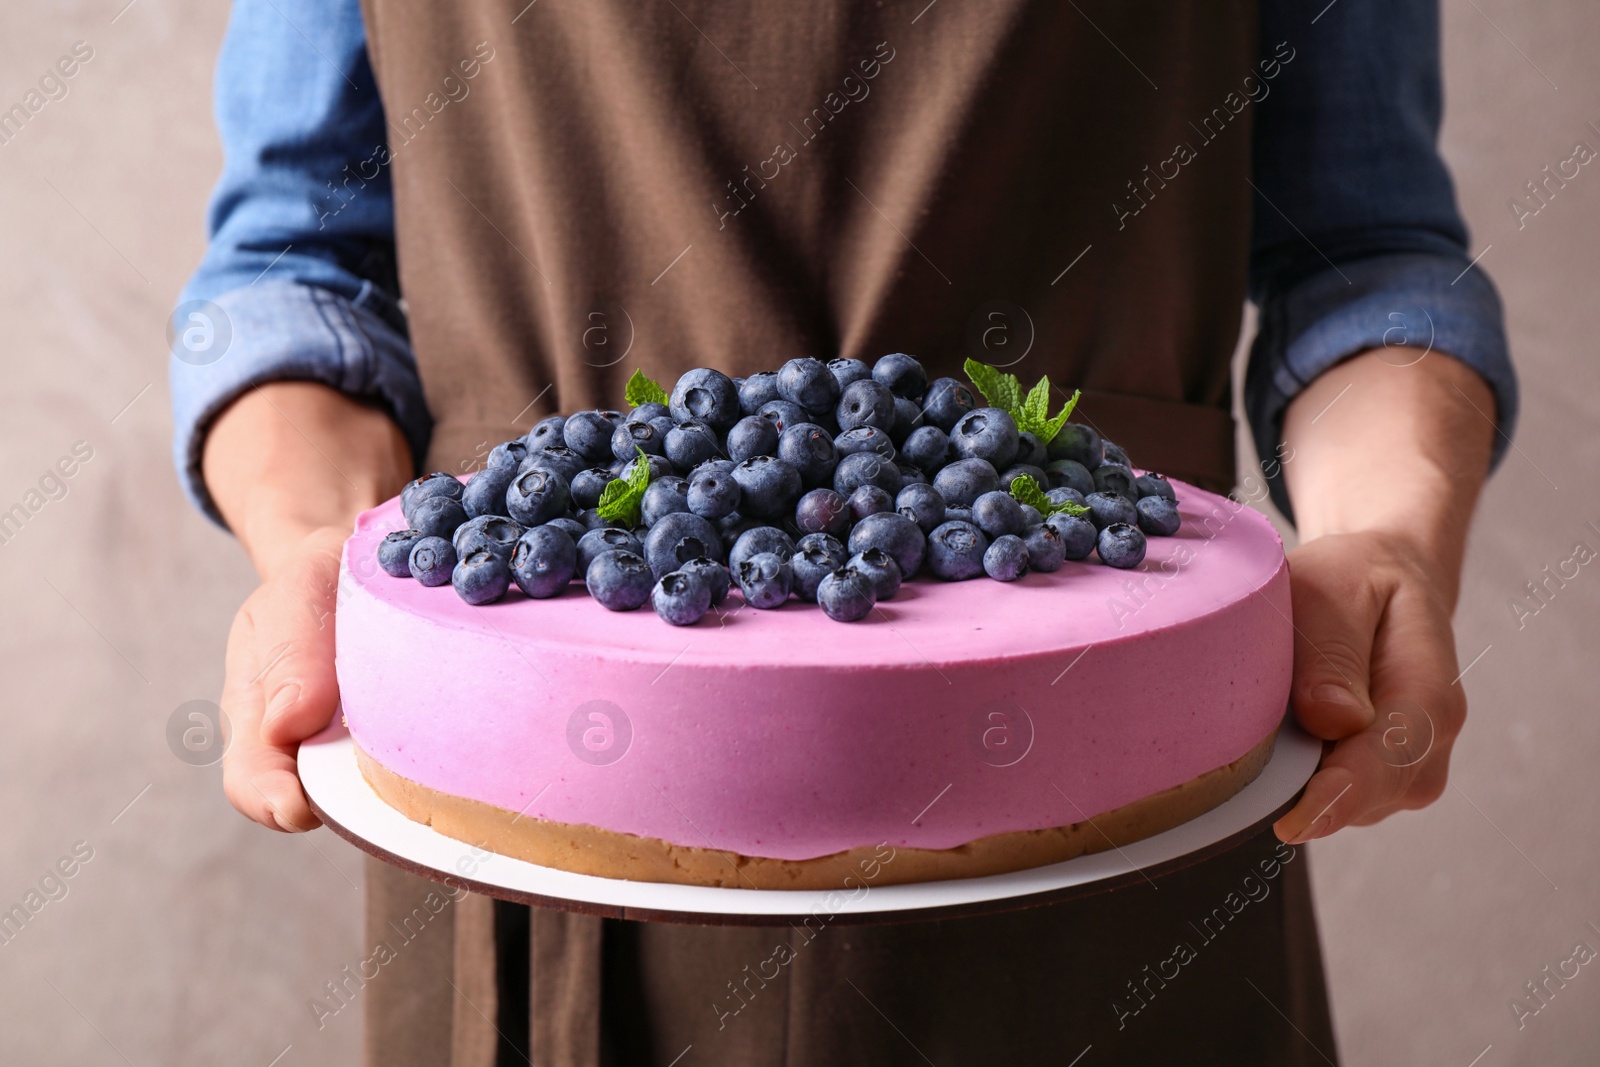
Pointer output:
x,y
610,854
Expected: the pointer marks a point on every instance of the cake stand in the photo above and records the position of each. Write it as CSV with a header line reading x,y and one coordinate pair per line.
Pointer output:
x,y
348,806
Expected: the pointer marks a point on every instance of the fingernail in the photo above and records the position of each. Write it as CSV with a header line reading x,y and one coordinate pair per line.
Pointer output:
x,y
1336,695
1318,827
282,700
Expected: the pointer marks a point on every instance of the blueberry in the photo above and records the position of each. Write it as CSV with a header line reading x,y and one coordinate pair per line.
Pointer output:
x,y
955,551
1069,474
587,485
810,450
632,436
958,513
1154,484
436,484
1046,549
590,519
1106,509
619,580
922,504
1114,454
1017,470
734,525
907,418
508,455
902,374
1077,535
436,516
485,494
997,514
432,560
546,432
1158,516
394,552
784,414
752,436
714,574
896,535
815,557
660,467
1006,558
691,443
589,433
965,480
681,598
1079,443
864,439
1112,477
910,475
928,447
1030,450
496,533
823,511
865,403
945,402
1031,516
649,412
725,466
809,383
537,496
481,577
865,468
558,458
846,595
880,569
662,425
704,393
1121,545
769,486
869,500
543,562
759,539
679,537
766,578
663,497
756,390
848,371
713,494
987,433
1065,495
571,527
593,542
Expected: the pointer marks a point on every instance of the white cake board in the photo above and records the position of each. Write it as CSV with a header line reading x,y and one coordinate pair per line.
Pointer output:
x,y
348,806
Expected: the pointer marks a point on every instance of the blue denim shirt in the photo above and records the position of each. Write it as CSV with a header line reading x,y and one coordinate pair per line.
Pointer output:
x,y
1357,241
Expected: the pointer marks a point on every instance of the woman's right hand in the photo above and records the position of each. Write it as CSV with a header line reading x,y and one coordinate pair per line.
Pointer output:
x,y
290,465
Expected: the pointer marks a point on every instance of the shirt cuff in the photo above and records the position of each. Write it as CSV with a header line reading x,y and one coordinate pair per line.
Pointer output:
x,y
1421,305
285,331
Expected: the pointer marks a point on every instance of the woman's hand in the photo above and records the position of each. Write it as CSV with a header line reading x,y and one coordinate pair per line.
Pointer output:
x,y
1385,457
290,465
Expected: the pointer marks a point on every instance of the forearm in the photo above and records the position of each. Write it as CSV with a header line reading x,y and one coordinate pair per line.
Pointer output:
x,y
1374,446
289,458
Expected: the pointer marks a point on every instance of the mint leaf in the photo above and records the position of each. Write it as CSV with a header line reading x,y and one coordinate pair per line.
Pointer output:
x,y
1035,411
1053,426
642,390
1026,491
999,389
619,500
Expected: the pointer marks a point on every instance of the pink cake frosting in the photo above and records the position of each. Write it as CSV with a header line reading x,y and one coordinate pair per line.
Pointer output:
x,y
955,711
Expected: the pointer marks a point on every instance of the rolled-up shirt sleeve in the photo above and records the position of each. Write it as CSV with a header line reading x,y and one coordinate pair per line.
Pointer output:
x,y
1357,242
298,281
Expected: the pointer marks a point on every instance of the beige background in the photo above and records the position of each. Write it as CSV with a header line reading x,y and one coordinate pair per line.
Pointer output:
x,y
192,937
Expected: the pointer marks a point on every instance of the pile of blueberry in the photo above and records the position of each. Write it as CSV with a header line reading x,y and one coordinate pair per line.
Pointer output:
x,y
833,482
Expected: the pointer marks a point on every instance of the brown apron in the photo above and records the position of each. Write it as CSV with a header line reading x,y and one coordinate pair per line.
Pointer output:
x,y
587,187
